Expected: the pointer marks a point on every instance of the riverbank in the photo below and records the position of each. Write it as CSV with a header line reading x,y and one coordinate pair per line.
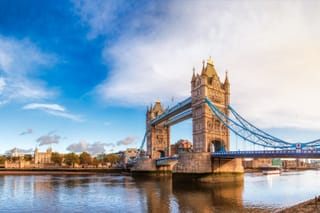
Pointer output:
x,y
309,206
59,171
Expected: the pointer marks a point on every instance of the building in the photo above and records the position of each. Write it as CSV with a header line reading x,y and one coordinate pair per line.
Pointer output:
x,y
15,153
180,147
257,163
42,157
209,133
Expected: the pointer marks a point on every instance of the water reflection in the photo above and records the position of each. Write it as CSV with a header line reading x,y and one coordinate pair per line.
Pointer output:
x,y
207,197
104,193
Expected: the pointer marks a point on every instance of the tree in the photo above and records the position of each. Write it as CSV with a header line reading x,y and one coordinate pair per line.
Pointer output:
x,y
85,158
27,157
56,158
2,159
71,159
111,158
96,161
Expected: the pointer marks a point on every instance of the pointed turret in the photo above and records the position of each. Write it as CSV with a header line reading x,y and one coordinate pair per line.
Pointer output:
x,y
193,76
209,70
204,70
226,81
157,109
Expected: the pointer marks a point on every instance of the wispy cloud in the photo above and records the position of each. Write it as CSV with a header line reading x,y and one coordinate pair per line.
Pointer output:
x,y
93,148
27,132
19,59
270,49
128,140
53,109
99,23
49,139
19,150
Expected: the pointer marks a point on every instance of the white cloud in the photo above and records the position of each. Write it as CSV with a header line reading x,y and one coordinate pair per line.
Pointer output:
x,y
128,140
99,23
49,139
2,85
53,109
82,146
271,50
19,59
93,148
27,132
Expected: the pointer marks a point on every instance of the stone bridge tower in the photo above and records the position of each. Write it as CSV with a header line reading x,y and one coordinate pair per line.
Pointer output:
x,y
209,134
158,136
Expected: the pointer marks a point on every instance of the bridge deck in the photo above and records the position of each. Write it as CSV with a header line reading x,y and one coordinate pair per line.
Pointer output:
x,y
268,154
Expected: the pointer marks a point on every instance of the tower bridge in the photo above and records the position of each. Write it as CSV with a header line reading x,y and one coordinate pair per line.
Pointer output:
x,y
210,111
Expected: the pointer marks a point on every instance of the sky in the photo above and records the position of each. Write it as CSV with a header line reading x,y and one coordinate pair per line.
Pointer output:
x,y
79,75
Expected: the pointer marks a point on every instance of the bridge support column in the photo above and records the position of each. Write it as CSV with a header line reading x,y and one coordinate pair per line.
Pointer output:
x,y
147,167
202,167
227,165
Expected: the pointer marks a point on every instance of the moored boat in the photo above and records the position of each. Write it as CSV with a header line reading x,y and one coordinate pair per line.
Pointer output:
x,y
271,172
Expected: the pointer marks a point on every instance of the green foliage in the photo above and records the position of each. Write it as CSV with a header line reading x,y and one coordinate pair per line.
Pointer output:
x,y
2,159
27,157
10,158
96,161
85,158
71,159
56,158
111,158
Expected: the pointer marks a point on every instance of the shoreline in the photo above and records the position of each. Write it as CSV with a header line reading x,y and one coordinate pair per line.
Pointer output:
x,y
58,171
308,206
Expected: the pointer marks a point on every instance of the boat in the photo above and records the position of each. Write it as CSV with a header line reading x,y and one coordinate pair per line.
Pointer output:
x,y
271,172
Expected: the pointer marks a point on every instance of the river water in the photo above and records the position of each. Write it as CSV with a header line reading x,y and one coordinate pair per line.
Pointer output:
x,y
107,193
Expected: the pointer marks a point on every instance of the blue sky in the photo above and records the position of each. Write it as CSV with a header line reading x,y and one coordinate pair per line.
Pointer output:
x,y
78,75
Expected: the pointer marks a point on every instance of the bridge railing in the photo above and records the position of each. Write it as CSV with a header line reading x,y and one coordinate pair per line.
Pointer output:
x,y
270,153
165,160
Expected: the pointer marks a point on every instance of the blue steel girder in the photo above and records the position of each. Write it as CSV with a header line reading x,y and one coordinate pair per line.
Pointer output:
x,y
268,154
251,133
245,133
244,122
179,118
250,126
175,110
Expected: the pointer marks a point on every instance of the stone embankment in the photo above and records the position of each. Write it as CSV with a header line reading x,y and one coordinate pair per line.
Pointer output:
x,y
309,206
57,171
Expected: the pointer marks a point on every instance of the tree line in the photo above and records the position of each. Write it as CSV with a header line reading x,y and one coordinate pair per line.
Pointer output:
x,y
71,159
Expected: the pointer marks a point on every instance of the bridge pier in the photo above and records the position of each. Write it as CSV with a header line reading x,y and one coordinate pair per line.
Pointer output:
x,y
201,167
193,166
148,167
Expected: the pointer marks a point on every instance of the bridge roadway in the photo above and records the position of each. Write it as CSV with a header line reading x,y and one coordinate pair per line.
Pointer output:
x,y
296,153
252,154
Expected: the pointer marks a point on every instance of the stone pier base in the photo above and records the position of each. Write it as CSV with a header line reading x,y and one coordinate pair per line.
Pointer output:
x,y
227,165
147,167
193,166
193,163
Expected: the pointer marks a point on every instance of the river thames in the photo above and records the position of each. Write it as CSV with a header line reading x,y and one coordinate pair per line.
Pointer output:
x,y
108,193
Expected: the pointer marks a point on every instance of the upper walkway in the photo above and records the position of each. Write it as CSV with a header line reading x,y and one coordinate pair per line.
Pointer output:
x,y
174,113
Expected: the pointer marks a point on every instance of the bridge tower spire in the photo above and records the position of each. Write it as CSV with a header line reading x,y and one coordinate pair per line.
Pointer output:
x,y
209,134
158,136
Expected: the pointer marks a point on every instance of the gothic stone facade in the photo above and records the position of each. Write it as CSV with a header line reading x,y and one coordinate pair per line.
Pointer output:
x,y
209,134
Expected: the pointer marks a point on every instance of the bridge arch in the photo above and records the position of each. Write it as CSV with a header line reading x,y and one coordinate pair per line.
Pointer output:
x,y
162,153
217,145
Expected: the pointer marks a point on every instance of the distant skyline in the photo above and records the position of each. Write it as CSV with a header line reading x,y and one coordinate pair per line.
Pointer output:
x,y
79,75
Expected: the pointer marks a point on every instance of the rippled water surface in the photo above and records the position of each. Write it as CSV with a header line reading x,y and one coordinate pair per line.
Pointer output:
x,y
106,193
